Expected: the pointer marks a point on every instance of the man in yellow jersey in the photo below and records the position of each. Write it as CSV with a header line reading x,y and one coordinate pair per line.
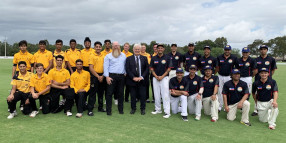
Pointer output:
x,y
44,56
80,82
58,51
98,81
23,55
144,53
20,90
125,50
40,89
60,82
86,53
72,55
107,45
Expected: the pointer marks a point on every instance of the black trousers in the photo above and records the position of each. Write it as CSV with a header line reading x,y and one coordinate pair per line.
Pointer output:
x,y
20,96
98,88
138,91
116,87
127,91
151,80
45,102
80,101
67,93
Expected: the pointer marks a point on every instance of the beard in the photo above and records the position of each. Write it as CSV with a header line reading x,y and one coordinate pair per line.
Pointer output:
x,y
116,53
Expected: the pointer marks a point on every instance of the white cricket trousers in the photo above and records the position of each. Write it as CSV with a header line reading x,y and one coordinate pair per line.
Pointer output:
x,y
264,115
231,115
194,105
161,90
222,80
211,107
248,80
175,105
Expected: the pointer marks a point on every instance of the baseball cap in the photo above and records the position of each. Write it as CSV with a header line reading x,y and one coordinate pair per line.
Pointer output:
x,y
174,45
245,50
263,46
162,45
263,69
179,70
207,67
227,47
235,71
207,47
193,67
191,44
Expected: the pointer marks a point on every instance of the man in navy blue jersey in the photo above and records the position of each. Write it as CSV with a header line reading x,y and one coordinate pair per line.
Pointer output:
x,y
207,59
191,58
176,59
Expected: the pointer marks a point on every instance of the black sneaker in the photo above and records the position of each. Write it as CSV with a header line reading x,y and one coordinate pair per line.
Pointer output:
x,y
147,101
90,114
254,114
246,124
185,118
101,110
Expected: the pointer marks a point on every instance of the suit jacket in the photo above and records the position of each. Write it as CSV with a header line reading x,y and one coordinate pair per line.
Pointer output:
x,y
130,67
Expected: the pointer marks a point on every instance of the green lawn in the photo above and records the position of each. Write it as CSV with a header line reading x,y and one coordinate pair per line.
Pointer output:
x,y
134,128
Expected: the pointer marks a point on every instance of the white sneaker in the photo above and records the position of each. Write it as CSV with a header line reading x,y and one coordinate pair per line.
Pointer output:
x,y
78,115
198,118
12,115
105,102
33,114
115,102
166,116
69,113
41,108
156,112
21,108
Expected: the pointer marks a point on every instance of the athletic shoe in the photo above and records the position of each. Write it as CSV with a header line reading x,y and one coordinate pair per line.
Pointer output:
x,y
90,114
78,115
147,101
115,102
166,116
12,115
254,114
69,113
213,120
271,127
21,108
198,118
156,112
246,124
105,102
33,114
185,118
41,108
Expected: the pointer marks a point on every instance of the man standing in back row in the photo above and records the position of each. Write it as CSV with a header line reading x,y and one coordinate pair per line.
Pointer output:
x,y
191,58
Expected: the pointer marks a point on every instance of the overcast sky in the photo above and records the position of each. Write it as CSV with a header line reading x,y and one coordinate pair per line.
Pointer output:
x,y
133,21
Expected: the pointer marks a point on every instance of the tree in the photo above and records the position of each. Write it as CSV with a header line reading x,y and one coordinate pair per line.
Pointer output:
x,y
220,42
278,46
201,44
254,47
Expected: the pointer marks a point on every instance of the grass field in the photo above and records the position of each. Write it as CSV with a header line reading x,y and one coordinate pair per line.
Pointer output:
x,y
134,128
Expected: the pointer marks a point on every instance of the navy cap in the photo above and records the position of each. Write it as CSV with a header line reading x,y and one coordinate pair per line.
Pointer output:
x,y
193,67
235,71
263,69
162,45
179,70
227,47
207,67
245,50
207,47
263,46
87,39
174,45
191,44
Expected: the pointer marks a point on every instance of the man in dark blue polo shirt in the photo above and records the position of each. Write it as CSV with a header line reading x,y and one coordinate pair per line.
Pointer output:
x,y
210,100
207,59
176,59
235,93
265,61
191,58
160,66
225,64
265,93
196,88
179,93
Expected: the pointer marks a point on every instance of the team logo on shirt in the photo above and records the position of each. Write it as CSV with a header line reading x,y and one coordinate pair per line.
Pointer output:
x,y
230,60
231,88
211,80
181,87
259,87
194,58
195,83
268,87
156,62
210,61
203,62
221,61
177,57
247,64
267,63
187,58
239,89
240,65
163,61
259,62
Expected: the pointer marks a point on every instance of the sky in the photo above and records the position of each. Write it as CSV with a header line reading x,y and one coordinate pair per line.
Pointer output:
x,y
135,21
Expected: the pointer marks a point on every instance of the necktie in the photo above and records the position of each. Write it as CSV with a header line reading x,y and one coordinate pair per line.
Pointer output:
x,y
137,65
